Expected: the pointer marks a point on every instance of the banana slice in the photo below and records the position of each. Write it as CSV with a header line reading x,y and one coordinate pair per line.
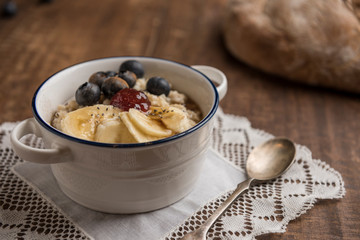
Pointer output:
x,y
113,131
104,123
147,125
83,122
138,135
176,120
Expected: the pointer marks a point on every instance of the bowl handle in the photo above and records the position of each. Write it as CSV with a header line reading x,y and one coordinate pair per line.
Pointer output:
x,y
216,76
56,154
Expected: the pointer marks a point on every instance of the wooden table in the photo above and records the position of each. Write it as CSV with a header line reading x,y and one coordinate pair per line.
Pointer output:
x,y
44,38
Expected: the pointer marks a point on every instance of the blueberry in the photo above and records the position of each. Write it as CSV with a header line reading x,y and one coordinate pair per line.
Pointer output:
x,y
129,77
9,9
98,78
111,73
87,94
132,66
112,85
158,86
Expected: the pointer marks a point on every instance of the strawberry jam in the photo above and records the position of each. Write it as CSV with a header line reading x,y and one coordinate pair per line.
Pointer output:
x,y
130,98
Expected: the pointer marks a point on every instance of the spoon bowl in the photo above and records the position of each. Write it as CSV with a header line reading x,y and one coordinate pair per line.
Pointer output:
x,y
267,161
270,159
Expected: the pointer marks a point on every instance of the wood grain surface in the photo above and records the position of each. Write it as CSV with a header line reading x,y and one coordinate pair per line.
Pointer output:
x,y
44,38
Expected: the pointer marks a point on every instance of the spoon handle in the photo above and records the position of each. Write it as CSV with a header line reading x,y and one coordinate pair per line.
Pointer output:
x,y
200,233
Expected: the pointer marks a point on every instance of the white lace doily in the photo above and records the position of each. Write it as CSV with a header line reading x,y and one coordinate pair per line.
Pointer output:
x,y
266,208
25,213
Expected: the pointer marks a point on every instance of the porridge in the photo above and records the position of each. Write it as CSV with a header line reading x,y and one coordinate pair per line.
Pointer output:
x,y
124,107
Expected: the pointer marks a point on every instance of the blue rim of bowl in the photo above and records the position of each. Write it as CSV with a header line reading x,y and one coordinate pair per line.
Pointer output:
x,y
126,145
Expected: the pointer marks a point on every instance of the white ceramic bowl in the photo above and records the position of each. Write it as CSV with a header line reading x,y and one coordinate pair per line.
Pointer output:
x,y
123,178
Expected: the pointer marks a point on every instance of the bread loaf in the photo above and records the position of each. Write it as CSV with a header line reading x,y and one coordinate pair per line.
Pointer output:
x,y
311,41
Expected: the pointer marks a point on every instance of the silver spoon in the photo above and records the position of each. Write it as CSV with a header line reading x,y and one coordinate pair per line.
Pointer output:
x,y
265,162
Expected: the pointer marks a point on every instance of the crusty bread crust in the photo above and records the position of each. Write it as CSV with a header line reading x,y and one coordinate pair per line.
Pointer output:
x,y
311,41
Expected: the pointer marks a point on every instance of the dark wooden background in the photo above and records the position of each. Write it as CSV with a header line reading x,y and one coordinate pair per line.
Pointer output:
x,y
44,38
